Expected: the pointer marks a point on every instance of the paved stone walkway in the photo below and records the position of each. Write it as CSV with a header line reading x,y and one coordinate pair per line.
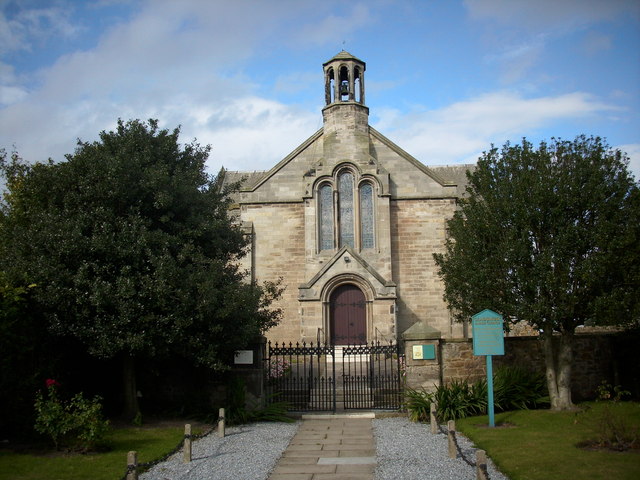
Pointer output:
x,y
330,447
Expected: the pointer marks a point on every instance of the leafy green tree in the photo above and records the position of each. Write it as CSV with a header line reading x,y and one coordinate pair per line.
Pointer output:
x,y
551,237
21,356
134,254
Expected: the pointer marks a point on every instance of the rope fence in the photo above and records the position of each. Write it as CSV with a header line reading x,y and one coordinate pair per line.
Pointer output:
x,y
454,448
134,468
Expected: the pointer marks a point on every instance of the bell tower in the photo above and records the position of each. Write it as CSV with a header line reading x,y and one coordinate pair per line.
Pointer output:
x,y
344,79
345,116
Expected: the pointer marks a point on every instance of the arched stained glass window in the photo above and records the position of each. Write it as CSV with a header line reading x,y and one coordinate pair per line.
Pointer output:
x,y
366,216
325,197
346,212
345,198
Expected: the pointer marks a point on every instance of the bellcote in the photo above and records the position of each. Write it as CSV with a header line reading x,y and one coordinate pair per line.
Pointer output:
x,y
344,79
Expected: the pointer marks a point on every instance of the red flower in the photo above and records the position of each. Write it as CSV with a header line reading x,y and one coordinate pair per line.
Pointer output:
x,y
51,383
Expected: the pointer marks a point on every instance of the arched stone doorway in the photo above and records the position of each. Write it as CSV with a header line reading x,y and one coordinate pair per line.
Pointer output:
x,y
348,316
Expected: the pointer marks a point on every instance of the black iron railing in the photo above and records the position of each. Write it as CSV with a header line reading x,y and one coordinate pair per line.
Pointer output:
x,y
322,377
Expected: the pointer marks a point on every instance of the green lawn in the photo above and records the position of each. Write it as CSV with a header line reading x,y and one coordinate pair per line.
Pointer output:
x,y
540,444
150,443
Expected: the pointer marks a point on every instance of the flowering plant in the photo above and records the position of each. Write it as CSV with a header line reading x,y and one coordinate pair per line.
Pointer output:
x,y
51,416
403,367
78,422
278,368
50,382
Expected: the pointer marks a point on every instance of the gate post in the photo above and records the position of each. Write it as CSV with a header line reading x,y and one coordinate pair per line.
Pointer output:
x,y
333,375
249,365
421,346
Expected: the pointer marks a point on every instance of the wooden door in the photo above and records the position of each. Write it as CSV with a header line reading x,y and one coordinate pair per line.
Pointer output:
x,y
348,322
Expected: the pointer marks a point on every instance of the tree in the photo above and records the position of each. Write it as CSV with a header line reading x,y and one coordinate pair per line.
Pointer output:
x,y
551,237
133,251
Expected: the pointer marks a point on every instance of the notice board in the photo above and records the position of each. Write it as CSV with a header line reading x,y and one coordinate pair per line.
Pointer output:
x,y
488,333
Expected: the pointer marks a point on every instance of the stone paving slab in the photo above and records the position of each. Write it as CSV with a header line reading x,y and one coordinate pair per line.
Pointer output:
x,y
299,460
347,460
357,453
356,469
311,453
330,447
342,476
305,469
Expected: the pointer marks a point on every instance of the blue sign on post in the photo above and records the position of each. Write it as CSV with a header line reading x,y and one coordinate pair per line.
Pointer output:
x,y
488,340
488,336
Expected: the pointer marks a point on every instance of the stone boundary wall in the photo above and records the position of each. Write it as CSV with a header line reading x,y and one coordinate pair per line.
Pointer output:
x,y
596,357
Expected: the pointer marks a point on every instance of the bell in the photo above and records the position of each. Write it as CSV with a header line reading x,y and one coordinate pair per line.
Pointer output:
x,y
344,88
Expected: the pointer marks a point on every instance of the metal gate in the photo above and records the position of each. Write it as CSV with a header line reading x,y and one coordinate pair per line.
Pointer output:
x,y
326,377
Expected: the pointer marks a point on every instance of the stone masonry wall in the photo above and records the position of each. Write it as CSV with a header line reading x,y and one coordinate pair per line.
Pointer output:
x,y
459,362
278,251
418,231
594,361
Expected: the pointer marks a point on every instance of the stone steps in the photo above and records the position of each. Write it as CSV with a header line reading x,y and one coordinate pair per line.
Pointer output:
x,y
340,357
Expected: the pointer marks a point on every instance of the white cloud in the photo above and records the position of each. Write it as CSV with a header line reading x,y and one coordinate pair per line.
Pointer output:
x,y
180,62
257,134
633,151
31,26
459,132
9,94
10,89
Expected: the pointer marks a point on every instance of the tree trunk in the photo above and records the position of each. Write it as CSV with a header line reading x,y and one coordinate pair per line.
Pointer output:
x,y
558,356
131,406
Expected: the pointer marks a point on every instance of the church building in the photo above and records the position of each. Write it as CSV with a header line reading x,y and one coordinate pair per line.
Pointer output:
x,y
350,222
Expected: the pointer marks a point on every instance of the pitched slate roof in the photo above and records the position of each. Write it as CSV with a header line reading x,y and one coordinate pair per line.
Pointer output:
x,y
456,174
246,179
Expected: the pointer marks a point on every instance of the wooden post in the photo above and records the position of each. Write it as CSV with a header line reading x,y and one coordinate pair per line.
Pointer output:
x,y
451,426
221,423
432,418
481,465
186,454
132,464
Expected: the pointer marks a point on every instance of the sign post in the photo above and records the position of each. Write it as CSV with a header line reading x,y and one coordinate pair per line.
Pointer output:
x,y
488,340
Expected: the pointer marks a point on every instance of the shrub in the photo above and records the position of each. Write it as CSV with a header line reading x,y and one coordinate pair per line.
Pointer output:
x,y
241,411
479,393
52,418
606,392
77,423
418,404
514,388
611,429
458,400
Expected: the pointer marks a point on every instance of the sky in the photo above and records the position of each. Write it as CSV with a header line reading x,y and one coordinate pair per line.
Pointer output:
x,y
445,79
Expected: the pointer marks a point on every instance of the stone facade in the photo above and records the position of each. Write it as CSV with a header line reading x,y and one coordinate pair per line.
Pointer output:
x,y
348,207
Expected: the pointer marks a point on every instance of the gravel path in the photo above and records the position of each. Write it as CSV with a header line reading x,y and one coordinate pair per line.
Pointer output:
x,y
405,451
247,452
